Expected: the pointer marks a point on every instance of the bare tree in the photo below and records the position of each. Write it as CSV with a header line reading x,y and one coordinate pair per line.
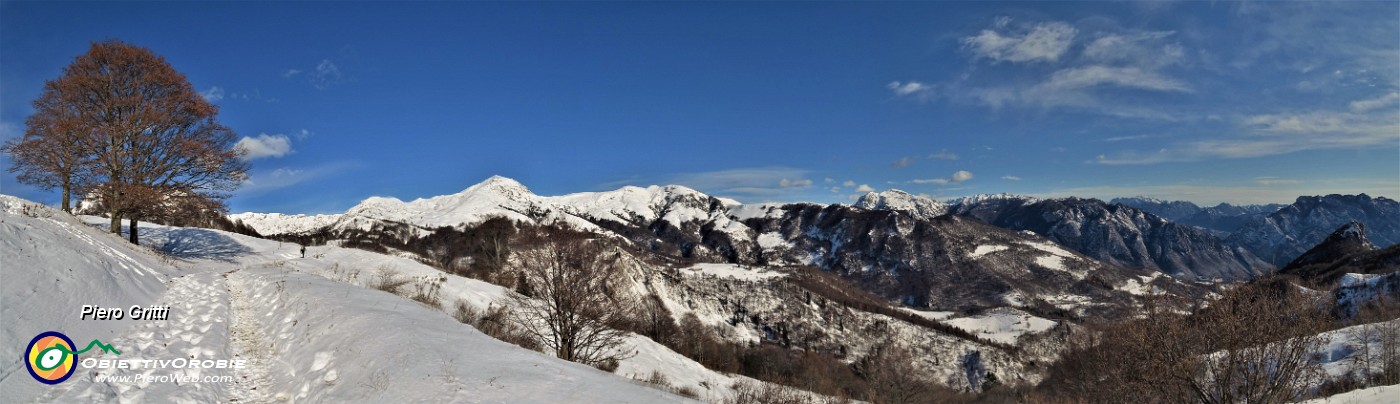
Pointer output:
x,y
52,153
148,135
573,308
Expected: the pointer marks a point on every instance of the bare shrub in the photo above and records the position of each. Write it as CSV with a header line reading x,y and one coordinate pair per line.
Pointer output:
x,y
1253,345
426,290
746,392
388,279
495,321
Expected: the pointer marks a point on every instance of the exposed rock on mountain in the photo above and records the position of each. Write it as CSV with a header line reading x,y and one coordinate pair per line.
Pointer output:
x,y
1121,235
1226,218
1170,210
1346,250
1282,236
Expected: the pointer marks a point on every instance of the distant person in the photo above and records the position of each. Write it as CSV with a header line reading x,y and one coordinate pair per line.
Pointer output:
x,y
303,251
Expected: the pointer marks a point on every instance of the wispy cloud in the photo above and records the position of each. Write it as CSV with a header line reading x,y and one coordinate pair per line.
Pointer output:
x,y
944,155
1010,178
1249,192
1077,78
1272,181
908,88
9,130
263,181
1367,105
1018,43
902,162
1275,134
213,94
765,183
264,146
326,75
796,183
290,73
1125,138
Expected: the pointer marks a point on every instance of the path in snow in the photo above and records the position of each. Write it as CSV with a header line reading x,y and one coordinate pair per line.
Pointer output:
x,y
197,329
250,384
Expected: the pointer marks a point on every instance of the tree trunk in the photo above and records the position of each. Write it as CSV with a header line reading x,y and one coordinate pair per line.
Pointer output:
x,y
134,220
116,220
67,189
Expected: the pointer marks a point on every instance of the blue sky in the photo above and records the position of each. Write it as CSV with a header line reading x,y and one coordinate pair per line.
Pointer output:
x,y
1208,102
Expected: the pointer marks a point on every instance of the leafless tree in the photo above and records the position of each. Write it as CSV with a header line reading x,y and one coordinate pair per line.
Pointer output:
x,y
573,307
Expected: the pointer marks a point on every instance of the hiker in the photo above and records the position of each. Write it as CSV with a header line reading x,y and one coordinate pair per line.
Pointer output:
x,y
303,251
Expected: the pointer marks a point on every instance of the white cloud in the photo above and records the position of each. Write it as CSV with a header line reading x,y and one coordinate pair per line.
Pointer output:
x,y
829,180
264,145
907,88
902,162
1041,42
798,183
1375,103
957,177
848,184
944,155
1010,178
213,94
290,72
865,188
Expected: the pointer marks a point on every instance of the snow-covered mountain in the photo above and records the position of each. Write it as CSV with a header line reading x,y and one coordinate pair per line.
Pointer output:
x,y
1225,218
1287,233
893,244
308,331
895,199
277,223
1120,235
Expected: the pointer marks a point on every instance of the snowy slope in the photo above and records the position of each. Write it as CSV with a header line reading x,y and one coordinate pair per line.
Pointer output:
x,y
51,264
1373,395
277,223
309,332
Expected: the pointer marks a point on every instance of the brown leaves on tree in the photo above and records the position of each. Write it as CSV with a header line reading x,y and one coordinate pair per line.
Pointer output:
x,y
126,125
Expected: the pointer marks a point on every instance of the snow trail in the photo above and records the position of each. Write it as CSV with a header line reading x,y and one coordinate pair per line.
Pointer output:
x,y
248,342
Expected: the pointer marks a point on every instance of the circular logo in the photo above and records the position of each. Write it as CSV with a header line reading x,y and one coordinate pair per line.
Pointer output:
x,y
50,357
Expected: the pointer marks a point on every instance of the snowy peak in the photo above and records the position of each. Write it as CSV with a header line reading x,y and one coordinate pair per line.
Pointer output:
x,y
897,200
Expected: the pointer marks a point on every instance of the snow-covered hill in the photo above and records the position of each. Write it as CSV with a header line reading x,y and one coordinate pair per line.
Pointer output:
x,y
309,331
